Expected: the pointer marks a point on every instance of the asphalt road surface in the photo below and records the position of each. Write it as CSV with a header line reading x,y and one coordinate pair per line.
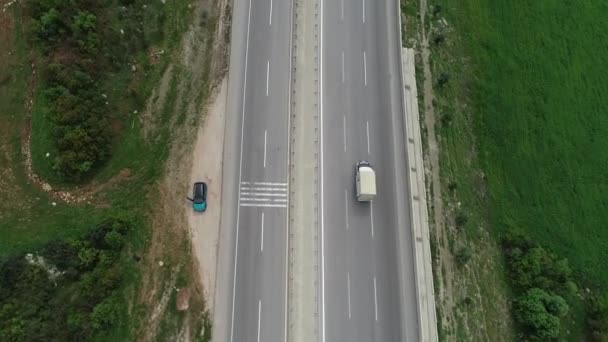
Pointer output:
x,y
362,119
259,275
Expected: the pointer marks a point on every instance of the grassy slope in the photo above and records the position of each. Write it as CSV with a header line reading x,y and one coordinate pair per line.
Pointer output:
x,y
28,219
33,219
540,101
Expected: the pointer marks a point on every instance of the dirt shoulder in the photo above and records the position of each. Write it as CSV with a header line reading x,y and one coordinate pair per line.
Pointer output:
x,y
207,157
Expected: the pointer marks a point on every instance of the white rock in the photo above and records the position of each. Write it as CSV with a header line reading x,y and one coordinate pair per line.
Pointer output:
x,y
54,204
122,31
160,263
47,155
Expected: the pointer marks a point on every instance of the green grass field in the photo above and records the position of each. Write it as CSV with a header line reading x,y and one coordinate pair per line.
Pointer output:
x,y
523,128
538,96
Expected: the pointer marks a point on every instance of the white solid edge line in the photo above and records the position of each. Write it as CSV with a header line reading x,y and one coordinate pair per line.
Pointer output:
x,y
267,75
322,162
270,15
348,284
364,68
263,205
262,236
367,131
265,138
236,248
342,10
375,300
259,317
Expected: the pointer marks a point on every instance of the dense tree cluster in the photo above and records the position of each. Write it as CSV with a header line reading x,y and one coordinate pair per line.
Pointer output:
x,y
79,47
72,295
71,41
543,281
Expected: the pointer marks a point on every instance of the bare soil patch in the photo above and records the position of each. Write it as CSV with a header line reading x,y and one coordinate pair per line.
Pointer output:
x,y
207,166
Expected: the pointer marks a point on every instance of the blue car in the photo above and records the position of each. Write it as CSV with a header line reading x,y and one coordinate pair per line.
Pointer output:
x,y
199,197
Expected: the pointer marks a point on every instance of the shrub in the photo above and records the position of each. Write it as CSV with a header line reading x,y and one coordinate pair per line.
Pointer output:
x,y
463,255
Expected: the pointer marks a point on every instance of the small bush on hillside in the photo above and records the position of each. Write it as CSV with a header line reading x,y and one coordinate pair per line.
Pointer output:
x,y
463,255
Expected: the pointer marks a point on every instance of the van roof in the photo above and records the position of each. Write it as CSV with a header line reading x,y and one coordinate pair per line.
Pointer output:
x,y
368,180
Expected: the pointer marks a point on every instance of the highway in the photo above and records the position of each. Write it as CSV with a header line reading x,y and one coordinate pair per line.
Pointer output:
x,y
255,213
363,283
366,293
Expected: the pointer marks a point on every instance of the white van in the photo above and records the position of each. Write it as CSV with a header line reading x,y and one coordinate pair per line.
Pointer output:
x,y
366,181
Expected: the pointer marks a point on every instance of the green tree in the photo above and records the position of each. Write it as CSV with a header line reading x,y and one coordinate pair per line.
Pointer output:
x,y
540,312
50,26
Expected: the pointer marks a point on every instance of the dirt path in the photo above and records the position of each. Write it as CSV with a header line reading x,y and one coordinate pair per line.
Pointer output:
x,y
207,166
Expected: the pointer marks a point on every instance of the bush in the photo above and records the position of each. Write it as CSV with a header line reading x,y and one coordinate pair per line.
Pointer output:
x,y
463,255
461,219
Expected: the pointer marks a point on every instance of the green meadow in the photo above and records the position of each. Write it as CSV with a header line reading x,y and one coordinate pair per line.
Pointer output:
x,y
539,99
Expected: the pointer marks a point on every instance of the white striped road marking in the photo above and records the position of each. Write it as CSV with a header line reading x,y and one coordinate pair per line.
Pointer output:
x,y
264,183
251,199
267,75
254,188
259,317
346,207
364,68
265,138
363,10
367,130
343,73
262,237
375,300
263,194
270,15
348,284
371,214
344,129
262,205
